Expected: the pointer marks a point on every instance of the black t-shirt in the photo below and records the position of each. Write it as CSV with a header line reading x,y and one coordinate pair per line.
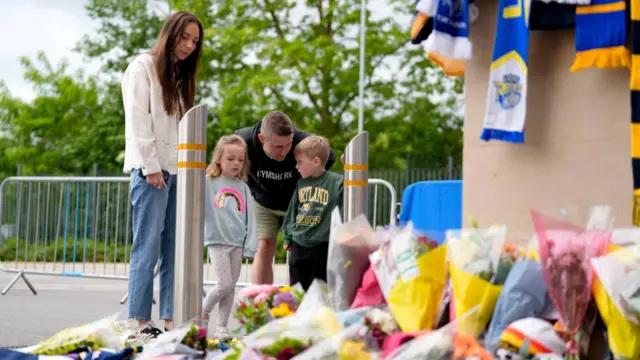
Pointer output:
x,y
272,182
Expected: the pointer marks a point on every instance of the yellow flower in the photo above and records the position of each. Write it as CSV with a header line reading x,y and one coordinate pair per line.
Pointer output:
x,y
285,289
353,350
281,311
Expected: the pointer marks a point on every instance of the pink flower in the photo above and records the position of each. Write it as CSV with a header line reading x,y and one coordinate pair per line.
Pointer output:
x,y
256,290
202,333
262,297
566,252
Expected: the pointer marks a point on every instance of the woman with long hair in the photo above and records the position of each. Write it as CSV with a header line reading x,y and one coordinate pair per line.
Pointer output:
x,y
158,88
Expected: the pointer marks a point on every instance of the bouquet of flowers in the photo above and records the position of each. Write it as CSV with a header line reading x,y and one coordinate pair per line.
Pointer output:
x,y
261,303
196,338
380,324
421,268
286,337
451,342
349,247
93,336
616,275
476,271
565,254
353,343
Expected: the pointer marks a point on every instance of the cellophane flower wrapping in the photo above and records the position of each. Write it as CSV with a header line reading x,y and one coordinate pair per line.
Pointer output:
x,y
353,343
616,274
286,337
104,333
477,270
455,340
187,339
349,247
384,267
566,251
625,236
421,264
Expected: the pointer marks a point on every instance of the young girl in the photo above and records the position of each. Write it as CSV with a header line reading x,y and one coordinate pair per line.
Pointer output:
x,y
229,230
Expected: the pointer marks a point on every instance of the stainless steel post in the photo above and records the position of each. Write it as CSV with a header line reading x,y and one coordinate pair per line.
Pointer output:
x,y
192,162
356,177
363,37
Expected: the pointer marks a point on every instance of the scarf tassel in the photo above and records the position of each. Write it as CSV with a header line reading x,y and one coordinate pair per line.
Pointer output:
x,y
451,67
606,58
636,208
601,36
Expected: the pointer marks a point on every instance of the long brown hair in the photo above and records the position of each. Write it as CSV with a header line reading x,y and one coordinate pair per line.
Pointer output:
x,y
178,80
214,170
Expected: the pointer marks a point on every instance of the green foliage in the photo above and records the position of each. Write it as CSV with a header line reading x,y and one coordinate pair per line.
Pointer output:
x,y
63,251
66,129
13,250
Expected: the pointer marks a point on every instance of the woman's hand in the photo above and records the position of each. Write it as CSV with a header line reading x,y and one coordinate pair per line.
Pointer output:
x,y
156,180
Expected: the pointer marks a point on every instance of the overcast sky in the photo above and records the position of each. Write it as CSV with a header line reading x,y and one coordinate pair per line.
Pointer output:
x,y
55,26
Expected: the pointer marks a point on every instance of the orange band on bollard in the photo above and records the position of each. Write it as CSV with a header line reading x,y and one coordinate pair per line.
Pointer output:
x,y
192,147
356,183
192,165
356,167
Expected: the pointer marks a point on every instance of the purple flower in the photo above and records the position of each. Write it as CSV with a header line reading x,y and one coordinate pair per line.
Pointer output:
x,y
284,297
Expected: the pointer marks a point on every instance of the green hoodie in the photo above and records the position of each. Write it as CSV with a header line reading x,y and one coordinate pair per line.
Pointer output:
x,y
308,220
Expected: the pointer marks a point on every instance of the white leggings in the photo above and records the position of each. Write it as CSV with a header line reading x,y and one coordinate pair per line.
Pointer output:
x,y
227,263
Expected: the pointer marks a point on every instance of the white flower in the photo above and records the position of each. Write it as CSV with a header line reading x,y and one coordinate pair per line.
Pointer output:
x,y
384,319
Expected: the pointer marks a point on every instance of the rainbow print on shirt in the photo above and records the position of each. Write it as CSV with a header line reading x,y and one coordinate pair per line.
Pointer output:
x,y
224,193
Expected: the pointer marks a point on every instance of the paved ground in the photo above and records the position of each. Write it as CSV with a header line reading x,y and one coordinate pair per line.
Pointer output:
x,y
64,302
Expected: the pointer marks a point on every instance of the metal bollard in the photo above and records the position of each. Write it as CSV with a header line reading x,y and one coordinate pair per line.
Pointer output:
x,y
192,162
356,177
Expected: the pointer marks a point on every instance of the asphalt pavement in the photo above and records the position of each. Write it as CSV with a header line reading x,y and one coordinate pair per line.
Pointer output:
x,y
64,302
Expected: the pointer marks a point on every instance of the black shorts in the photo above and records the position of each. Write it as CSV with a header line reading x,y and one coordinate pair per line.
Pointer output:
x,y
308,263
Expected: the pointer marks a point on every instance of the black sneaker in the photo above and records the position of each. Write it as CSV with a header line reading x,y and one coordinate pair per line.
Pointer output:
x,y
149,332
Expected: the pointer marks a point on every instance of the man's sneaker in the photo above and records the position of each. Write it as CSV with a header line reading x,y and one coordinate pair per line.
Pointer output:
x,y
149,332
223,333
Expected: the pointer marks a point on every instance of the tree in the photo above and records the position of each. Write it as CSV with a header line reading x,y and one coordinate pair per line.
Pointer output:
x,y
261,55
68,127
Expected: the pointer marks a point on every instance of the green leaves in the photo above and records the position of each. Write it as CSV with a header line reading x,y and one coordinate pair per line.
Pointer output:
x,y
65,130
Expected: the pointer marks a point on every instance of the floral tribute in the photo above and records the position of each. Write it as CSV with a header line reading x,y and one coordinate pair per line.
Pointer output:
x,y
565,253
262,303
196,338
381,324
425,244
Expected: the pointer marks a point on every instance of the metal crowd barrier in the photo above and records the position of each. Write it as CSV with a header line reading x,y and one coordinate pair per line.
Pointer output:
x,y
81,227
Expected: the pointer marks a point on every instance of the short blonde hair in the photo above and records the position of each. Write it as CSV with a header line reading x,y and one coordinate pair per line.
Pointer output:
x,y
214,170
314,146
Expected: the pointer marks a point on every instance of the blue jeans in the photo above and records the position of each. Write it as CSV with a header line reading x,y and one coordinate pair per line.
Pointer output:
x,y
154,238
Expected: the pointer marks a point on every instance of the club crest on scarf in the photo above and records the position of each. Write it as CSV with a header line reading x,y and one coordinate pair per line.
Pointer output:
x,y
509,91
455,9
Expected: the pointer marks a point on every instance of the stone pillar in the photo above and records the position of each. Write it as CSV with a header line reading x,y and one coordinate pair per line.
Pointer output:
x,y
576,152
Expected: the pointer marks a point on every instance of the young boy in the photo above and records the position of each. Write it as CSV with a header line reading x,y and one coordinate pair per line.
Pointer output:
x,y
308,220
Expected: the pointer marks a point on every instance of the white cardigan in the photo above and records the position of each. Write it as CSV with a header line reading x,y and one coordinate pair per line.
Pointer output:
x,y
151,136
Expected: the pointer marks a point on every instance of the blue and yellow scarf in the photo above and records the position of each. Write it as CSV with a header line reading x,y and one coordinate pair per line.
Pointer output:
x,y
450,36
507,95
601,35
423,26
